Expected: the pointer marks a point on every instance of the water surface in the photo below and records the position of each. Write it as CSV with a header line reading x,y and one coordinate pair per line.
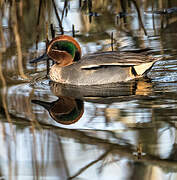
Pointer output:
x,y
49,131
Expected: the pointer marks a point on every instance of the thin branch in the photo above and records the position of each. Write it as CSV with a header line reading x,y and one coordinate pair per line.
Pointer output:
x,y
139,16
64,9
37,24
39,12
63,156
90,164
58,17
18,41
4,103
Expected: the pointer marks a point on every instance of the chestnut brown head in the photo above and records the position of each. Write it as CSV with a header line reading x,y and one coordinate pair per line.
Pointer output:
x,y
64,50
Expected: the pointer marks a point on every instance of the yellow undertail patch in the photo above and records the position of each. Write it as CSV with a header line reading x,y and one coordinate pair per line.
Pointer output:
x,y
141,69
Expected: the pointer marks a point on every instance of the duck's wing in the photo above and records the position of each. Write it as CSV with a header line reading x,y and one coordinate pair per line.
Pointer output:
x,y
113,58
140,63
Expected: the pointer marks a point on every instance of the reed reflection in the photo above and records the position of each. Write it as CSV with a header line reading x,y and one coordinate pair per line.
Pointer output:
x,y
32,149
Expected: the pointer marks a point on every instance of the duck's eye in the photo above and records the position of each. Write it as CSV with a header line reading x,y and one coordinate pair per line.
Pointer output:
x,y
54,47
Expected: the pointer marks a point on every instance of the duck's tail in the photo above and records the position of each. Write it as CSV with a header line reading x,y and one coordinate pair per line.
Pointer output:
x,y
143,69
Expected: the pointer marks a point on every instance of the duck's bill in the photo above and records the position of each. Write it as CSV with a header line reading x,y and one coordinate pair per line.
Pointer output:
x,y
44,57
46,105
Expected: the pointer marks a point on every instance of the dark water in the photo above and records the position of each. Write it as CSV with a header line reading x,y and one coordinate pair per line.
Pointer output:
x,y
49,131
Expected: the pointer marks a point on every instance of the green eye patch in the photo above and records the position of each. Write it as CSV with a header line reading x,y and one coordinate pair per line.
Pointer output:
x,y
65,46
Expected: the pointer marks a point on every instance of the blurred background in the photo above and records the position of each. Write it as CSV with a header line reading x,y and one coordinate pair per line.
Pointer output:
x,y
48,131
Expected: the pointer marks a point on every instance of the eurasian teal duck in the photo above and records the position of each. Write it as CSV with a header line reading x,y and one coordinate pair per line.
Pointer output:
x,y
94,69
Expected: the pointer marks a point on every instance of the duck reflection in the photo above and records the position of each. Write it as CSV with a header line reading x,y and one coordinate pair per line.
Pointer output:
x,y
69,107
105,94
66,110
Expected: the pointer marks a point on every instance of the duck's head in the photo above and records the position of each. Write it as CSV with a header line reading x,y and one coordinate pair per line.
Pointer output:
x,y
64,50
